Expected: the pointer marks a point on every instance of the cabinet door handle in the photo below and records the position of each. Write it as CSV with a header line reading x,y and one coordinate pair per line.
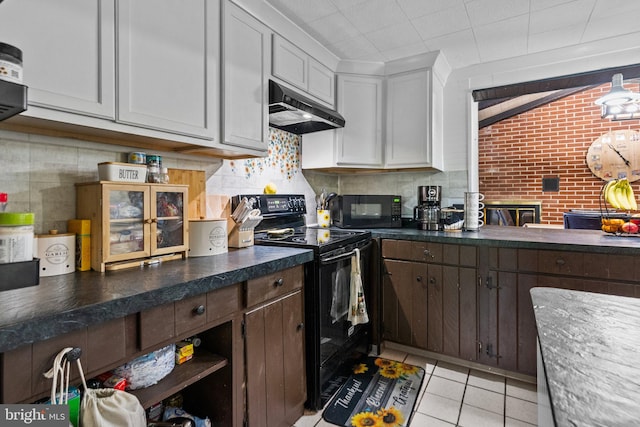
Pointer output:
x,y
278,282
489,284
300,326
199,310
419,279
427,253
560,261
148,221
432,280
490,352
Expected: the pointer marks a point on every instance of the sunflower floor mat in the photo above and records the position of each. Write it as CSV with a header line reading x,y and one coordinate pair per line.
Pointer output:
x,y
380,392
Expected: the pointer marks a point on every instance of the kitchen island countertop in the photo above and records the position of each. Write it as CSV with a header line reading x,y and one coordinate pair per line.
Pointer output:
x,y
589,345
522,237
63,303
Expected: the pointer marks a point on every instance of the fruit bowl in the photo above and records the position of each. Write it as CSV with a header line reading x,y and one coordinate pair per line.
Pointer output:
x,y
619,195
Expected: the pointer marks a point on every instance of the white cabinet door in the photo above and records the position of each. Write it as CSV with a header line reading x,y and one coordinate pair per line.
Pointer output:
x,y
359,143
322,81
167,65
247,64
408,142
289,63
68,52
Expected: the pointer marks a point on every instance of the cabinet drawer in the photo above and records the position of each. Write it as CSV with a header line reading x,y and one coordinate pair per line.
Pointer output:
x,y
224,302
156,325
273,285
413,250
556,262
190,313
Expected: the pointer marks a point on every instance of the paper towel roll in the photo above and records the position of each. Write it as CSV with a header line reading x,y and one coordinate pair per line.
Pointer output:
x,y
57,253
207,237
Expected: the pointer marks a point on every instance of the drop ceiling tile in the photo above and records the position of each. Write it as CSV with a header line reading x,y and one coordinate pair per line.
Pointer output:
x,y
494,45
346,4
393,37
537,5
571,14
443,22
482,12
561,37
459,48
304,10
374,14
609,8
356,47
611,27
333,28
417,8
405,51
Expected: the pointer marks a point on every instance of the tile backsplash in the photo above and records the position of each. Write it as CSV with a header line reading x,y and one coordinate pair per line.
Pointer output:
x,y
39,172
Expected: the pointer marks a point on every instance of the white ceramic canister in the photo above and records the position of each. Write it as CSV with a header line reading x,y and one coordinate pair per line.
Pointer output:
x,y
207,237
57,253
16,237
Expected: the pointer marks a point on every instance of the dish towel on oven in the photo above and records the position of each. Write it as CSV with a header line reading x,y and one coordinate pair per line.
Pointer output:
x,y
340,294
357,306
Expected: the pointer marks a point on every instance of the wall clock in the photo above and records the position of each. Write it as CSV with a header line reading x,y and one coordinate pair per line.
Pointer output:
x,y
615,155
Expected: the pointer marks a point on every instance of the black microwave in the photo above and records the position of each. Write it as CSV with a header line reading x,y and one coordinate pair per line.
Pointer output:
x,y
367,211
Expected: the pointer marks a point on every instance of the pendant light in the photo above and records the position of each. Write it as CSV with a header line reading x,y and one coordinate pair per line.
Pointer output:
x,y
619,103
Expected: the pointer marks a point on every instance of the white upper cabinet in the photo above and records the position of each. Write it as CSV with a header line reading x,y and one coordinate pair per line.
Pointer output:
x,y
68,52
247,61
322,82
168,65
289,63
408,136
394,118
359,143
292,65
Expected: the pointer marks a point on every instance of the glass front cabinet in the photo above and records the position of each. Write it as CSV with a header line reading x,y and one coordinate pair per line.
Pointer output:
x,y
134,223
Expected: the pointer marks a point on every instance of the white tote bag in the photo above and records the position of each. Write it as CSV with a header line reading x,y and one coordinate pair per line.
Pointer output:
x,y
102,407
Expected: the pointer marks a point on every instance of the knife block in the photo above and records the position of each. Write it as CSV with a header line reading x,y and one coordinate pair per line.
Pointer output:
x,y
239,238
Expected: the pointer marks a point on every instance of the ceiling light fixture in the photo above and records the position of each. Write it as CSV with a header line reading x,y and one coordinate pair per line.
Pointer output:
x,y
619,103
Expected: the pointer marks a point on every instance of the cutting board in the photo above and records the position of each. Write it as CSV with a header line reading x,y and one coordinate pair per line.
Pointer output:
x,y
196,181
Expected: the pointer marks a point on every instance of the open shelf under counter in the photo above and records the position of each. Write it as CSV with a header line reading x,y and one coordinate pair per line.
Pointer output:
x,y
202,364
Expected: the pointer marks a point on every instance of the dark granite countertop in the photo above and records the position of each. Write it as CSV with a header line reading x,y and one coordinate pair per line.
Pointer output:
x,y
522,237
63,303
589,344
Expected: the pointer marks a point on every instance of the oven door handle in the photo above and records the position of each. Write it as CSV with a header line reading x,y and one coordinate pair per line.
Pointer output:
x,y
336,258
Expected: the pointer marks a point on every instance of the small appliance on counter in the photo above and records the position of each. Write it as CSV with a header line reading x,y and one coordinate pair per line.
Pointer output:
x,y
427,213
367,211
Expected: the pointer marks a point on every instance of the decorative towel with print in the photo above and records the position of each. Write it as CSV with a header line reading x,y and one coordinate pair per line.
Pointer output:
x,y
357,305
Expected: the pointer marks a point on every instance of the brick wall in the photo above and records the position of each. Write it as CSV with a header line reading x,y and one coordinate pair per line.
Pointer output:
x,y
548,141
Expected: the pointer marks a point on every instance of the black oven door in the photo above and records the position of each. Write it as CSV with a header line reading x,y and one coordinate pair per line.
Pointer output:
x,y
338,337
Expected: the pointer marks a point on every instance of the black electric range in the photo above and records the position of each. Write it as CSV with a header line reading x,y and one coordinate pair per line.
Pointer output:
x,y
332,344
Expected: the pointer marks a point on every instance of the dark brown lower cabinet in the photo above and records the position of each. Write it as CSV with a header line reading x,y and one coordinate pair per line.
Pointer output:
x,y
274,354
404,301
430,304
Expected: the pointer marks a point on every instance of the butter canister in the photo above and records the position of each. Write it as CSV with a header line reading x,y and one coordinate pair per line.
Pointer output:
x,y
207,237
57,253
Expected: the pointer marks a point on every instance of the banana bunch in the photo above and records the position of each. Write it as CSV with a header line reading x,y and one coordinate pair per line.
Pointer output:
x,y
619,194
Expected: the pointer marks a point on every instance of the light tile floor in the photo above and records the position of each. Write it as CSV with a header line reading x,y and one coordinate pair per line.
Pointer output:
x,y
452,395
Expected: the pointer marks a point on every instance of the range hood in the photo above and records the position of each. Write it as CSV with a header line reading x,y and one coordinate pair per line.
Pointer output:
x,y
13,99
292,112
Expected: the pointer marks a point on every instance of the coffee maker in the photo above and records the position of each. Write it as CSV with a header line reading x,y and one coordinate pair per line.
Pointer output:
x,y
427,213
